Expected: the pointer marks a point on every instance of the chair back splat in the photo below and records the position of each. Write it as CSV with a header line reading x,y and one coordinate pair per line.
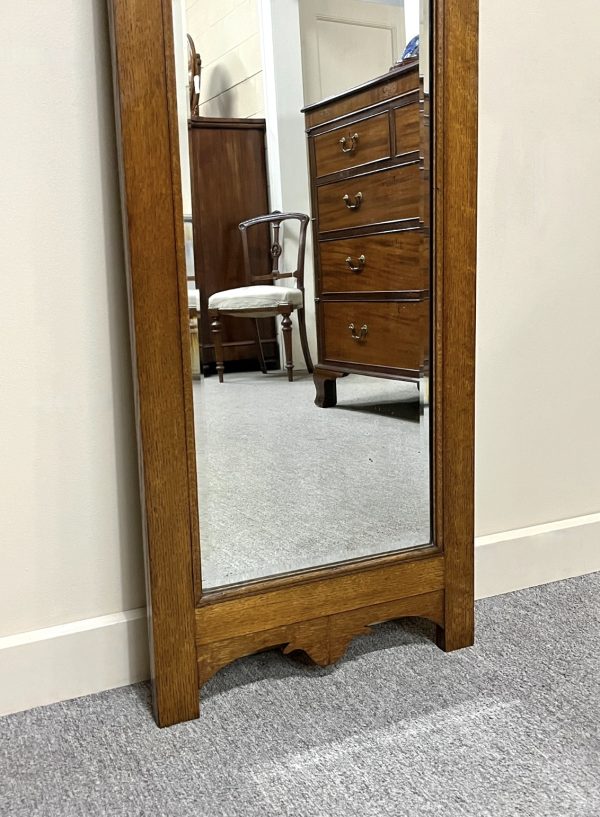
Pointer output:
x,y
274,221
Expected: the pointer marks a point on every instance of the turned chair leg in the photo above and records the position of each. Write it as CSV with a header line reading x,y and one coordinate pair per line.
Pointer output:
x,y
286,325
216,331
304,340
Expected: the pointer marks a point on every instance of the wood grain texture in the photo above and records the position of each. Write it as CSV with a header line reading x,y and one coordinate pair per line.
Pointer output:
x,y
386,195
391,263
408,128
184,310
146,124
387,340
345,626
397,333
404,81
222,618
323,640
311,635
223,152
287,581
369,139
455,175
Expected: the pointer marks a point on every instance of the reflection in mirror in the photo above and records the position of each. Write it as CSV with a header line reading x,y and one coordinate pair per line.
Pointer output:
x,y
305,147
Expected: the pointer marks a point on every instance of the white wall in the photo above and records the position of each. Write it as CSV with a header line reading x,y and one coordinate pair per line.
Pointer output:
x,y
69,508
226,35
180,32
68,485
287,158
412,17
538,333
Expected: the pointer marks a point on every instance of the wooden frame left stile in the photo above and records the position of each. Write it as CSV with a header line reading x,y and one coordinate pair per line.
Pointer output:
x,y
143,71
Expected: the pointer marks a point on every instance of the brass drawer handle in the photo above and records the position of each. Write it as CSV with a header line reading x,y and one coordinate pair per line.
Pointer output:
x,y
353,140
357,201
364,329
356,267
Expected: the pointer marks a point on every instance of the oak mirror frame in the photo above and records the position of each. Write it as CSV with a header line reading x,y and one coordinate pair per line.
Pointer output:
x,y
194,633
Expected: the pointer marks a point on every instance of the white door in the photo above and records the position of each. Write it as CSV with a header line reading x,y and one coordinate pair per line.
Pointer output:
x,y
348,42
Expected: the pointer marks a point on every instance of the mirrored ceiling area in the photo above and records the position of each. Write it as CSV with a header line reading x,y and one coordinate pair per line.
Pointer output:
x,y
304,137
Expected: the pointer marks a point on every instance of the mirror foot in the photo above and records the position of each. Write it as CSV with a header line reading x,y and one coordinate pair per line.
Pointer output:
x,y
448,641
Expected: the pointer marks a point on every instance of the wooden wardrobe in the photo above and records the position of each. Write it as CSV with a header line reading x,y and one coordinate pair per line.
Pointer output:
x,y
229,185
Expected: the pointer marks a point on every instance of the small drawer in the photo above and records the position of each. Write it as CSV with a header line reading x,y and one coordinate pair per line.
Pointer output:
x,y
374,263
407,122
364,141
385,195
391,335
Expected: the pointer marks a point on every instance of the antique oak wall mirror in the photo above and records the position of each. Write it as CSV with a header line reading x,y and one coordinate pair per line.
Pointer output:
x,y
301,267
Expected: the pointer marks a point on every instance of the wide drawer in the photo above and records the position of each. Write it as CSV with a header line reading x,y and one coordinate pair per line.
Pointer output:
x,y
374,263
386,195
391,335
364,141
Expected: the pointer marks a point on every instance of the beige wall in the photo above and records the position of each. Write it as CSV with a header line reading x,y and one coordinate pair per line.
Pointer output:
x,y
538,334
226,35
69,510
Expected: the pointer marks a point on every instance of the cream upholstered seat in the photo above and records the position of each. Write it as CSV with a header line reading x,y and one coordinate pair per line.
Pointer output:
x,y
265,300
256,297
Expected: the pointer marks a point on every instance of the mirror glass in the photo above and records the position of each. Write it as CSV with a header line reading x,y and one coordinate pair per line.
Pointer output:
x,y
305,143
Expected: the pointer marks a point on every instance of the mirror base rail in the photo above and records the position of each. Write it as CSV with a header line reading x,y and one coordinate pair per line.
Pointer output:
x,y
321,616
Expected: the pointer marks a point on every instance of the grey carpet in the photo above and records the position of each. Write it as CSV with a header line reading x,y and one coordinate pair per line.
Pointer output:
x,y
509,728
285,485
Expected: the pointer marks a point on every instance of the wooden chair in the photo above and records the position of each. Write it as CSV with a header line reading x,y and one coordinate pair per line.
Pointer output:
x,y
265,300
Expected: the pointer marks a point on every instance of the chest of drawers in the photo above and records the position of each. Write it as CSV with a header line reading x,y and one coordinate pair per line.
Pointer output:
x,y
369,199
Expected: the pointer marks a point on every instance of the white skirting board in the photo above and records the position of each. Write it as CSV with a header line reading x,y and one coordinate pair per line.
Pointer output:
x,y
69,660
83,657
514,560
